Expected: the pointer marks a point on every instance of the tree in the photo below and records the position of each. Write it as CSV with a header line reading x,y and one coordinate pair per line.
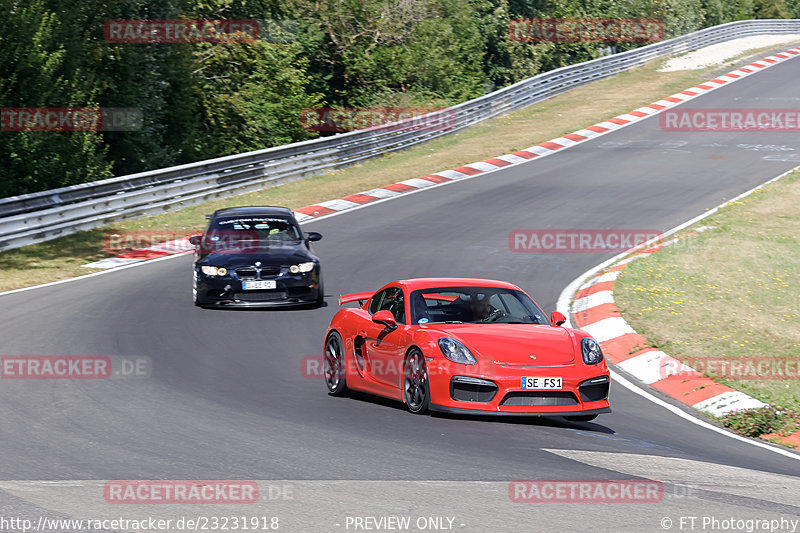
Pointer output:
x,y
770,9
32,59
251,96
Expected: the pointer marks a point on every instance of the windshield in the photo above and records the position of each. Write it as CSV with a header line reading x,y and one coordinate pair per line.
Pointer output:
x,y
253,229
474,305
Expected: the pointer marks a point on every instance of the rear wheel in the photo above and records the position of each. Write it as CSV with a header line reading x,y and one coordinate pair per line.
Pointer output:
x,y
334,365
581,418
416,391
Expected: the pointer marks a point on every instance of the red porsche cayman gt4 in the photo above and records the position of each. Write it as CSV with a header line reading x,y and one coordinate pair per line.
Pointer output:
x,y
463,345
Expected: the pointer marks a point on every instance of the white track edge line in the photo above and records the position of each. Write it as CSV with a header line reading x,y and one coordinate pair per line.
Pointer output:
x,y
563,305
702,423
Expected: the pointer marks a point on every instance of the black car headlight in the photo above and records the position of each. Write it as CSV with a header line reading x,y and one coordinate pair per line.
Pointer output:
x,y
590,350
302,268
213,271
456,352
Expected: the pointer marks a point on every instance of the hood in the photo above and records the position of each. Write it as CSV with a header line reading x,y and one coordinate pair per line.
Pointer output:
x,y
279,254
513,344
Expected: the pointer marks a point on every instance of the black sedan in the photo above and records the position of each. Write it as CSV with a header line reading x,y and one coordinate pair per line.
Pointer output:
x,y
255,257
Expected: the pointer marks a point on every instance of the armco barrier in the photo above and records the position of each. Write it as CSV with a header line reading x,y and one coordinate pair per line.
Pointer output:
x,y
41,216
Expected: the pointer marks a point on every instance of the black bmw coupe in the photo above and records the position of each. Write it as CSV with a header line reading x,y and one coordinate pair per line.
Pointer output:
x,y
255,257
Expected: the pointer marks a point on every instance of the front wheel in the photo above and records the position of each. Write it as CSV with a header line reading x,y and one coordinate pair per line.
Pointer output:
x,y
334,365
321,295
581,418
194,292
416,391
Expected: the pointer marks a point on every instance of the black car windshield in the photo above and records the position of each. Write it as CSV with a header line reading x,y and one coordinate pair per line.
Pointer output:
x,y
474,305
254,228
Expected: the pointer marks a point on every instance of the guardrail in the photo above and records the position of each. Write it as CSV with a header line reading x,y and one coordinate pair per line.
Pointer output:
x,y
41,216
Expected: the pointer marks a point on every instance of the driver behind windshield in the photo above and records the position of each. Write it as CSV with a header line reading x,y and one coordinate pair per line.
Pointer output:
x,y
253,229
276,230
482,310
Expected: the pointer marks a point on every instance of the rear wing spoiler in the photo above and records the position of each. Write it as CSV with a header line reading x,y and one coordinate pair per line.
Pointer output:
x,y
359,297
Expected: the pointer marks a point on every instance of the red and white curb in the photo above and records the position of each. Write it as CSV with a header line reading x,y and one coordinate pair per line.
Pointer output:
x,y
595,312
544,149
177,246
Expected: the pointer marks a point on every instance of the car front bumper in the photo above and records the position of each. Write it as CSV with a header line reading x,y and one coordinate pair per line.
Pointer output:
x,y
290,290
497,389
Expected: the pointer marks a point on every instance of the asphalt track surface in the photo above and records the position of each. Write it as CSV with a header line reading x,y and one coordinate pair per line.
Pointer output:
x,y
226,398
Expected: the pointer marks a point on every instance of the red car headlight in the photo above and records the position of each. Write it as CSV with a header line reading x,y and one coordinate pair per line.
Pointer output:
x,y
456,352
590,350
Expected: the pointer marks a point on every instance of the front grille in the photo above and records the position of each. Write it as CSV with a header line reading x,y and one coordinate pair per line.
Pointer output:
x,y
472,389
250,273
539,398
246,273
270,271
259,296
593,392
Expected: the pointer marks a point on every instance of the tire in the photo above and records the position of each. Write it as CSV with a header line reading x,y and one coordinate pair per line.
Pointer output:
x,y
581,418
321,296
335,365
416,389
194,293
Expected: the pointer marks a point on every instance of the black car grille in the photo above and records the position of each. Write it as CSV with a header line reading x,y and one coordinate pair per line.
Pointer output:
x,y
270,271
539,398
472,390
246,273
593,392
259,296
250,273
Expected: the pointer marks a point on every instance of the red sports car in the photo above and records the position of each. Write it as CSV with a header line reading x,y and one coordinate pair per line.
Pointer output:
x,y
464,345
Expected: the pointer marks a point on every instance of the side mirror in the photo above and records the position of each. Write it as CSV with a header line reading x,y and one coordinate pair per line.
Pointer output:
x,y
195,239
313,236
557,318
386,318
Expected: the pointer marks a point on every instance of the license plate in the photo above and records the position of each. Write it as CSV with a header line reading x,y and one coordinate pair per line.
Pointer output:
x,y
254,285
542,383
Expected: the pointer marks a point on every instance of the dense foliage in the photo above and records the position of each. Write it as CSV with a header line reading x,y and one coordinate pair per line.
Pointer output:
x,y
202,100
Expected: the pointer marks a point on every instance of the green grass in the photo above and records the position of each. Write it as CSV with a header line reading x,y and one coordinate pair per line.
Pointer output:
x,y
581,107
729,293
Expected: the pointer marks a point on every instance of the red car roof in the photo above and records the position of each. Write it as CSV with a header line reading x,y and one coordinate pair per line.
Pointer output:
x,y
429,283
